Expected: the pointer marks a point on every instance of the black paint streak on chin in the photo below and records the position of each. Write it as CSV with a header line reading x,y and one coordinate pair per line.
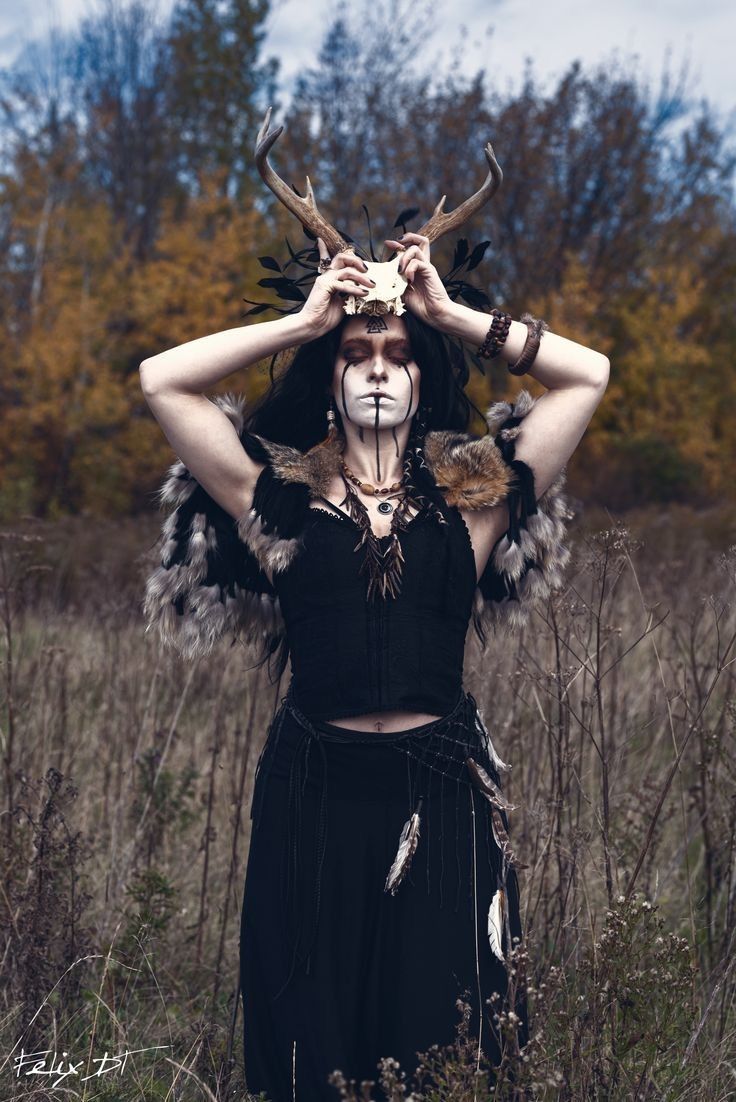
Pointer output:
x,y
377,400
396,440
361,437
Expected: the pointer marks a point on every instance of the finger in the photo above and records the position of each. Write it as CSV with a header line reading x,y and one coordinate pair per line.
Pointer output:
x,y
419,240
356,275
412,251
416,264
395,244
346,286
324,253
414,238
346,259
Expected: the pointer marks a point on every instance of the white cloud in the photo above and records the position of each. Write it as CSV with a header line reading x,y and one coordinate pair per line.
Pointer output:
x,y
553,35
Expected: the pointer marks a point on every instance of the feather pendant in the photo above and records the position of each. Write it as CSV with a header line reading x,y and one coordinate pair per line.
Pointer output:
x,y
408,843
391,570
485,784
495,923
372,564
383,568
502,841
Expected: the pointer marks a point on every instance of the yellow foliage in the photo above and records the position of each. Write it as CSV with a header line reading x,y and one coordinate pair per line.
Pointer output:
x,y
76,434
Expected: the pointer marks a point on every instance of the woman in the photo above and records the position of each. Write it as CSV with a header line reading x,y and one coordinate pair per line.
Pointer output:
x,y
381,885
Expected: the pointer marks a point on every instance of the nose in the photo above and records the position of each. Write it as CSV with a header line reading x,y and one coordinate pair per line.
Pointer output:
x,y
378,370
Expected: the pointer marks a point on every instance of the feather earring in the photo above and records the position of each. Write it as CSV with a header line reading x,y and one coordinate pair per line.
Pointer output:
x,y
332,432
408,843
495,923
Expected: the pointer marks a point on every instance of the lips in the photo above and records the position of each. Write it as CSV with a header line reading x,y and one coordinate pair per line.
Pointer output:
x,y
377,394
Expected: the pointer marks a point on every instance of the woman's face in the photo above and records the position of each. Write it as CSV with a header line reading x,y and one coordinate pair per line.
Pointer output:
x,y
375,383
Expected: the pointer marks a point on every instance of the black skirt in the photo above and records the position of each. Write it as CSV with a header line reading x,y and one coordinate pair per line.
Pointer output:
x,y
344,957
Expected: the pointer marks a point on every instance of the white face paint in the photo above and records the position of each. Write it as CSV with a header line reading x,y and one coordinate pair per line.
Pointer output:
x,y
375,356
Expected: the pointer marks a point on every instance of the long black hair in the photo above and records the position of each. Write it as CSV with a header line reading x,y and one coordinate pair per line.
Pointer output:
x,y
293,410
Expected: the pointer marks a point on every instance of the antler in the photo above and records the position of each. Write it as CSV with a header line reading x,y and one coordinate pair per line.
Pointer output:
x,y
441,223
305,209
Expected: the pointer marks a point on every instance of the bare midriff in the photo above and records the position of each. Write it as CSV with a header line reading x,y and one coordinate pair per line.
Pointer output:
x,y
384,721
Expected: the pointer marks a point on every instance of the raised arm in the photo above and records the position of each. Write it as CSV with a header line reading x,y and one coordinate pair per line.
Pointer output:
x,y
576,378
173,383
199,432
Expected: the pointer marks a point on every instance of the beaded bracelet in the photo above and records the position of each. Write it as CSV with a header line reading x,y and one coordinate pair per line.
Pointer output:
x,y
497,334
535,328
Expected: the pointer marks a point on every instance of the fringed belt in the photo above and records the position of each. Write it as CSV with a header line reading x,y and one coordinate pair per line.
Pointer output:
x,y
457,746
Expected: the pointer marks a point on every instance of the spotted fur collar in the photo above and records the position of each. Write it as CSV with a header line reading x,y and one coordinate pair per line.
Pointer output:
x,y
469,471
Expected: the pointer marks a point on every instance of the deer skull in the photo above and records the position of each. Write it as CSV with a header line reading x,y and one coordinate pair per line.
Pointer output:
x,y
385,297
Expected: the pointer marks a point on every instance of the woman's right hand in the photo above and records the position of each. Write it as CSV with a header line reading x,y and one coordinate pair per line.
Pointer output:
x,y
345,276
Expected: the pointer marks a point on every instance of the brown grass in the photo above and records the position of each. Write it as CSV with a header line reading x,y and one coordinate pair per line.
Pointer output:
x,y
127,777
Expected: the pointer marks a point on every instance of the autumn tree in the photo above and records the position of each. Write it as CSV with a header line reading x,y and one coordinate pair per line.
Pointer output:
x,y
614,221
219,89
131,220
95,187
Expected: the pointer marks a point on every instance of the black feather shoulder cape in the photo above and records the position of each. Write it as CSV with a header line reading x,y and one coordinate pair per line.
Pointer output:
x,y
208,579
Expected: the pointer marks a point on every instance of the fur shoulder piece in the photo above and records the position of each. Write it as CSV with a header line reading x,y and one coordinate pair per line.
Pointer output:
x,y
528,561
469,470
208,582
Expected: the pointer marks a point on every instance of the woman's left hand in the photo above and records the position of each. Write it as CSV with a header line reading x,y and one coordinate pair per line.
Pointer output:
x,y
426,295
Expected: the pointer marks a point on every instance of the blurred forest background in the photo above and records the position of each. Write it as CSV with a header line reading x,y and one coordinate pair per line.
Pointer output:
x,y
132,218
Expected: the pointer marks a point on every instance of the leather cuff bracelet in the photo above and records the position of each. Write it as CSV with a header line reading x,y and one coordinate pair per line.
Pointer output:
x,y
535,328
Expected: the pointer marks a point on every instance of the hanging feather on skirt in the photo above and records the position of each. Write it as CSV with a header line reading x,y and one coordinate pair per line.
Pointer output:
x,y
487,786
487,741
408,843
495,923
503,843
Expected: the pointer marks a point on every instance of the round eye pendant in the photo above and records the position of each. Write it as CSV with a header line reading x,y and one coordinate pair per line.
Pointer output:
x,y
385,507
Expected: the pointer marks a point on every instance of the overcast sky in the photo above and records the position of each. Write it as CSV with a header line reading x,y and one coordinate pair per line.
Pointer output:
x,y
500,35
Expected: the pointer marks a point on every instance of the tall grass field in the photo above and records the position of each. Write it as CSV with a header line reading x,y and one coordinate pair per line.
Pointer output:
x,y
127,776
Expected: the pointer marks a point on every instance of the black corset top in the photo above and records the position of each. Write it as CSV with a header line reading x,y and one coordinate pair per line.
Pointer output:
x,y
351,655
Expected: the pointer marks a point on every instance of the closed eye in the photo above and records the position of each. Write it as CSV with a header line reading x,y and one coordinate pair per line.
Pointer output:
x,y
399,363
